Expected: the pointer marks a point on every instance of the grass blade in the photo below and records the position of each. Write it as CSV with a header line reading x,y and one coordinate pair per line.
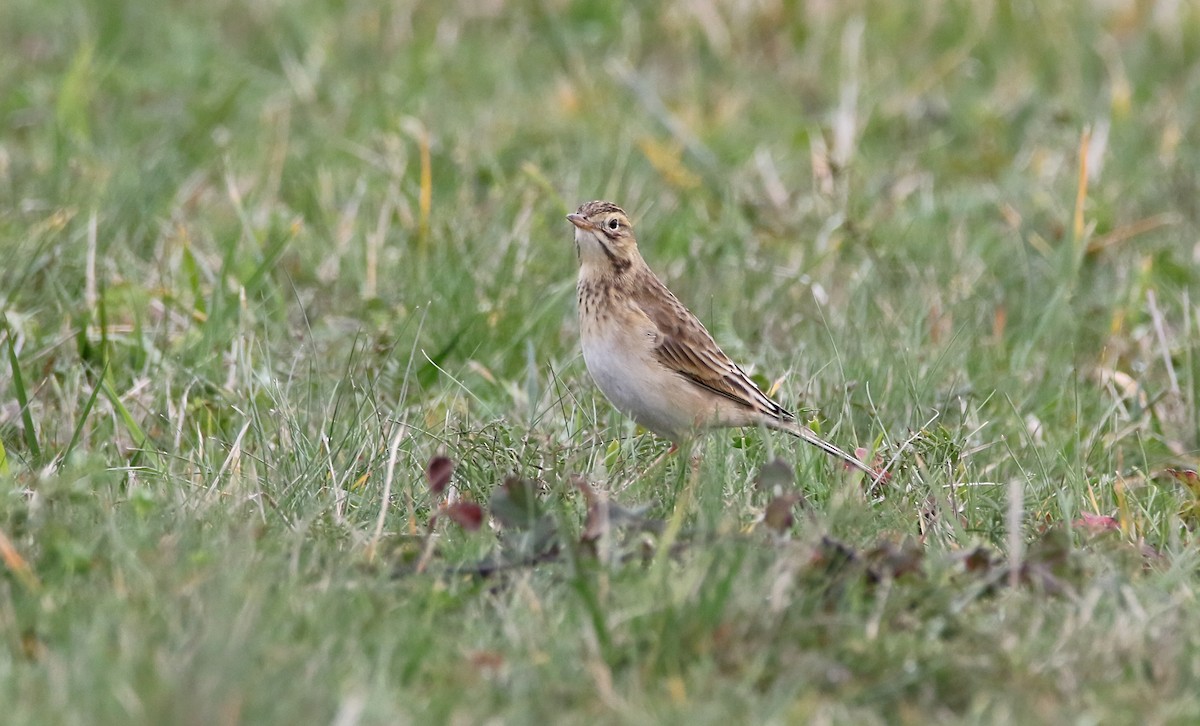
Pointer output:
x,y
131,425
22,397
87,409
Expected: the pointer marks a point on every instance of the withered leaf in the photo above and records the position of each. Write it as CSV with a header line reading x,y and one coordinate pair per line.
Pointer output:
x,y
1095,523
778,516
1188,477
437,474
466,514
979,560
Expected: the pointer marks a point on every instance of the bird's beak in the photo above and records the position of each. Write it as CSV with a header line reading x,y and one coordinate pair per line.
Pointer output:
x,y
580,221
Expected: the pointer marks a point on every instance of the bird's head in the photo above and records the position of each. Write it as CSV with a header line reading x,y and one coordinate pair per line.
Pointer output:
x,y
604,237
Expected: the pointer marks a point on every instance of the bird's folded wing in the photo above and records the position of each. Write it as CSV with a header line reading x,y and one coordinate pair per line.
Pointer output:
x,y
684,346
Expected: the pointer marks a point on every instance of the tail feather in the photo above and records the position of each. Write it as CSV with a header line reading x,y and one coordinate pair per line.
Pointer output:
x,y
801,431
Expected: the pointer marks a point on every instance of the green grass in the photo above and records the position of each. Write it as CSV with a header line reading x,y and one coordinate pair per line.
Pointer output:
x,y
263,261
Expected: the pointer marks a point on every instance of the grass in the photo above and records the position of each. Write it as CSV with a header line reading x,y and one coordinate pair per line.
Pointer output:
x,y
265,261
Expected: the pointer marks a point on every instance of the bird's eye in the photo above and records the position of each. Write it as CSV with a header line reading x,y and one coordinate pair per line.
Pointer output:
x,y
614,224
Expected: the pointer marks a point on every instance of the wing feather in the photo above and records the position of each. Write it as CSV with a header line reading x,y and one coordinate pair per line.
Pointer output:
x,y
683,345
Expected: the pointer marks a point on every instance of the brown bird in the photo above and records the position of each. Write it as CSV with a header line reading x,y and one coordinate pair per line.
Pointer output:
x,y
650,355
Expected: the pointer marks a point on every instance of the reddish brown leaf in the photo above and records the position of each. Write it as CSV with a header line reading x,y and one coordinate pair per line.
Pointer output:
x,y
1188,477
1096,522
438,474
779,515
860,453
487,661
17,564
876,465
465,514
978,560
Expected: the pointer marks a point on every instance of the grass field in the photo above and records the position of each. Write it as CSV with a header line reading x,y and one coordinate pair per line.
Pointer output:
x,y
265,263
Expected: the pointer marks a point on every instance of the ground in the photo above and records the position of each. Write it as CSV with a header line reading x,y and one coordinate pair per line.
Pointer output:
x,y
293,422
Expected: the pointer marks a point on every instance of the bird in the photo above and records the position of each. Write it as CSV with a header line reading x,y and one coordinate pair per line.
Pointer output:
x,y
650,356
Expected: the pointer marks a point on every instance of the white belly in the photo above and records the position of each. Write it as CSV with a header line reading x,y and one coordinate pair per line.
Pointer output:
x,y
627,374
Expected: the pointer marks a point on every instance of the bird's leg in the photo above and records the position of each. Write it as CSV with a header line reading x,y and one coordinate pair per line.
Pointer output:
x,y
684,504
659,461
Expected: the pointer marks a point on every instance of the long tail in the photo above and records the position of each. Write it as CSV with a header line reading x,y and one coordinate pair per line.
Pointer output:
x,y
801,431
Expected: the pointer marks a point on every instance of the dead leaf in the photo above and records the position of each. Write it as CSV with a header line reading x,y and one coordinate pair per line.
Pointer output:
x,y
488,662
1188,477
437,473
778,516
978,560
1094,523
884,477
466,514
17,564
